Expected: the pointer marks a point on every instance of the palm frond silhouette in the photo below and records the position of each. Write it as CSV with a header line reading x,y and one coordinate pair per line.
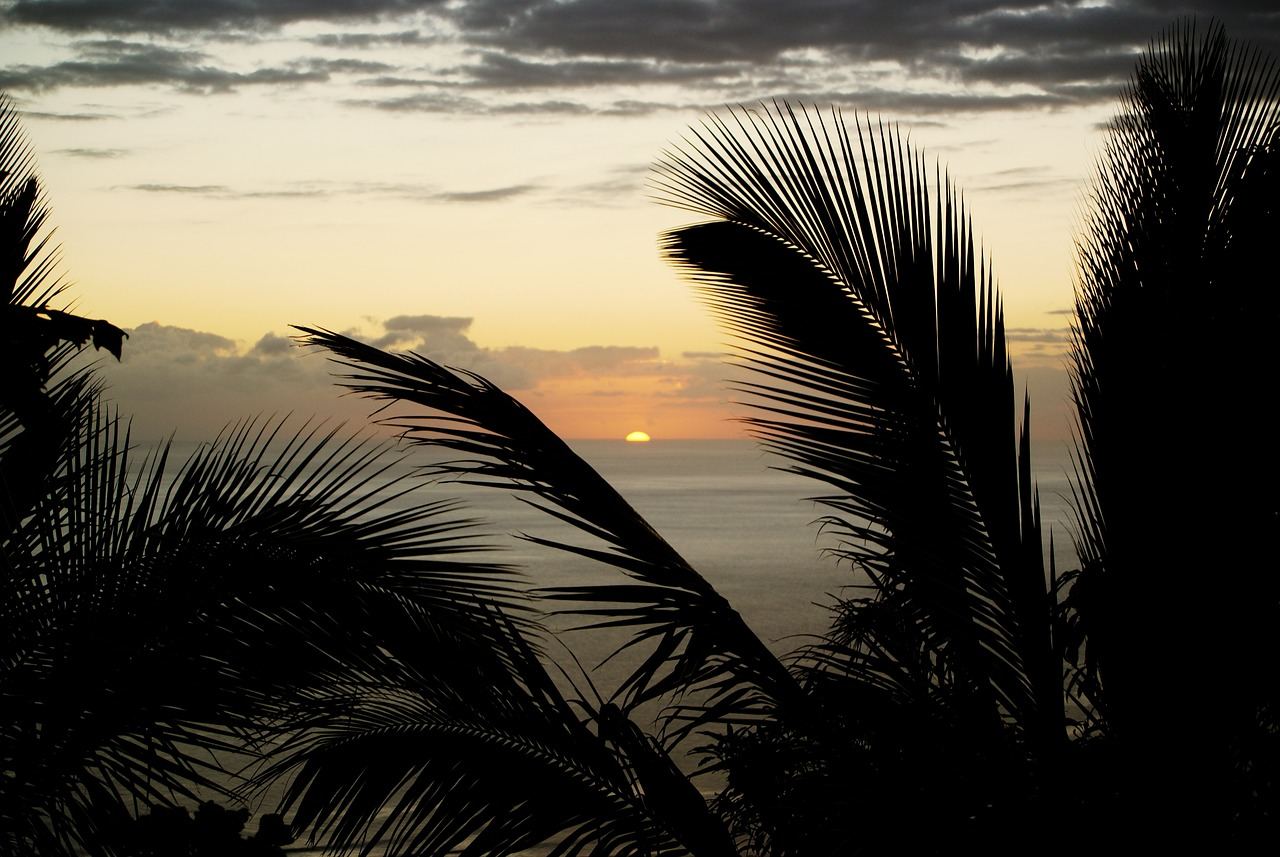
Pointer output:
x,y
160,629
270,602
1173,611
947,636
968,685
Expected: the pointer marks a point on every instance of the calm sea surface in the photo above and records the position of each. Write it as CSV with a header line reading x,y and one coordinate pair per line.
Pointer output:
x,y
746,527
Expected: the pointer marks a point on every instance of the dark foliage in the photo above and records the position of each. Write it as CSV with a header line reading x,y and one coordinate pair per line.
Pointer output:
x,y
968,697
212,831
161,629
1175,608
266,602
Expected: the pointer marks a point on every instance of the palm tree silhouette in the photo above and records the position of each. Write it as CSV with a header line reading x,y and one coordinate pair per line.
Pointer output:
x,y
158,630
1173,610
267,602
970,695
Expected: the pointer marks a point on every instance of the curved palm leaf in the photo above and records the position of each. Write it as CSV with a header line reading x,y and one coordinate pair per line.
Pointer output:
x,y
454,749
700,642
147,627
36,340
28,265
880,341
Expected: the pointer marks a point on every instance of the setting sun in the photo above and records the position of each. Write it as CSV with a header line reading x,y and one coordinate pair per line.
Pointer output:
x,y
638,437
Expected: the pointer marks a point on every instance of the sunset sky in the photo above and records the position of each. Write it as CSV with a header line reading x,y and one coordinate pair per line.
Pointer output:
x,y
467,178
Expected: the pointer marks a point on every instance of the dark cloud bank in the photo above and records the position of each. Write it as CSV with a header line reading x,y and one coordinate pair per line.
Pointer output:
x,y
961,55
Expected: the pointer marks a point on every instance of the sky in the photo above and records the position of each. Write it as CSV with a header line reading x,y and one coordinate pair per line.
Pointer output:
x,y
467,178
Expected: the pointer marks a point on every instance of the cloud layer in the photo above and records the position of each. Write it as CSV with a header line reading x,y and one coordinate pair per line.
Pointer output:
x,y
626,57
194,382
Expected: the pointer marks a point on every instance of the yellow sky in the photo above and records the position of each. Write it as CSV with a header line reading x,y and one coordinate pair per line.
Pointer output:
x,y
236,209
250,221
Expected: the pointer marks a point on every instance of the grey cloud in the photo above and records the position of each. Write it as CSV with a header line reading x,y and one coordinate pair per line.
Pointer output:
x,y
556,107
688,30
707,378
634,107
324,189
1119,122
910,31
426,332
93,154
1049,69
1071,53
372,40
423,102
1030,184
1022,178
445,102
437,101
161,16
65,117
342,66
877,100
1067,52
113,62
388,81
496,194
1019,171
196,381
606,193
287,193
505,71
272,345
152,338
445,339
1042,335
1008,54
197,189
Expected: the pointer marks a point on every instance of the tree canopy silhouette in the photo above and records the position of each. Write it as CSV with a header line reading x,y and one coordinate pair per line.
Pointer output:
x,y
160,629
268,602
968,683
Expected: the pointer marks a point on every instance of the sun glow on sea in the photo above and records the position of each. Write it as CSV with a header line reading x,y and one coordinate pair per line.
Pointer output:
x,y
638,437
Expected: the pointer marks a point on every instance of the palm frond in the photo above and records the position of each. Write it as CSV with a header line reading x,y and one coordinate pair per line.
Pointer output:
x,y
26,273
155,628
879,340
459,750
37,340
28,265
698,640
1175,313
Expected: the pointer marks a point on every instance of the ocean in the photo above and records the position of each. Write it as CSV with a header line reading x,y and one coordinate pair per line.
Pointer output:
x,y
746,526
728,507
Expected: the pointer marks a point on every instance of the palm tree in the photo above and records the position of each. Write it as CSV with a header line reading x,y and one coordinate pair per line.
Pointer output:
x,y
856,291
267,602
157,629
970,694
1174,607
